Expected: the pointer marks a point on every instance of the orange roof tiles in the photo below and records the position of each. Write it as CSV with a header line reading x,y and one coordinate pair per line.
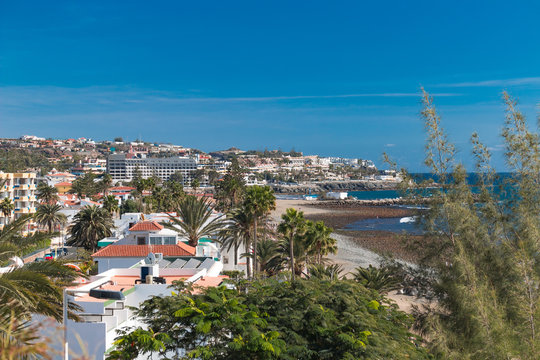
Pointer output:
x,y
179,249
146,226
63,184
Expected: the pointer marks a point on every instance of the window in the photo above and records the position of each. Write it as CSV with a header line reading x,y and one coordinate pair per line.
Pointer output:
x,y
141,240
169,240
155,240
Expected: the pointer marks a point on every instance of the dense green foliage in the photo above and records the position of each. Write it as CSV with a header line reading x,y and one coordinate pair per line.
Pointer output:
x,y
483,246
90,225
305,319
47,194
230,190
16,160
34,287
49,216
259,202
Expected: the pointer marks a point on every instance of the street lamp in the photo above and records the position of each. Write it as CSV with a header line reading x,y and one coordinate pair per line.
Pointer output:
x,y
100,294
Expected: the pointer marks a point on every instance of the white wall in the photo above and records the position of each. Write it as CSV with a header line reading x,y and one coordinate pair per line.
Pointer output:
x,y
107,263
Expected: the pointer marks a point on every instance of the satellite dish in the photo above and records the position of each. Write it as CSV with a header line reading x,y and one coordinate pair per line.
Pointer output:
x,y
151,258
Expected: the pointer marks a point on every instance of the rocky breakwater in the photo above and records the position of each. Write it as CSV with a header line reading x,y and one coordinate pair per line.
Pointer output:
x,y
325,186
352,203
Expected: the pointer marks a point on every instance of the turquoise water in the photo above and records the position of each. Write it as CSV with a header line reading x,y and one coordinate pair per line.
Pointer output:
x,y
374,194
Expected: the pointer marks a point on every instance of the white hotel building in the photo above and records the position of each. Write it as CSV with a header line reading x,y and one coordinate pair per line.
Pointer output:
x,y
123,167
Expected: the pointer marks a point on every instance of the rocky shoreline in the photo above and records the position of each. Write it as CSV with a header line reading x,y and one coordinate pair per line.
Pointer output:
x,y
339,214
325,186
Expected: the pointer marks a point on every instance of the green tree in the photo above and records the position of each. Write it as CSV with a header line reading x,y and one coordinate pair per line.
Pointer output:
x,y
292,229
130,206
195,184
259,201
307,319
319,241
105,183
482,245
194,219
236,232
34,288
269,257
6,208
177,177
90,225
382,280
230,191
47,194
49,215
85,185
111,204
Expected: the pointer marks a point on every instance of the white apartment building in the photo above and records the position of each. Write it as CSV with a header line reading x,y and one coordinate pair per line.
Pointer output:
x,y
20,188
123,167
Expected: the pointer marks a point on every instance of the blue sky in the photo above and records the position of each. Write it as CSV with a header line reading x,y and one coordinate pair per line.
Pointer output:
x,y
334,78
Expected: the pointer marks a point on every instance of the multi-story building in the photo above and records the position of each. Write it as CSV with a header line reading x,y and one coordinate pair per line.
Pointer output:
x,y
124,167
20,188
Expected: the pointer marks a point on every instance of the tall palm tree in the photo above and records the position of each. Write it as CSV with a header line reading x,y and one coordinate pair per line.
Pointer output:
x,y
47,194
194,219
110,204
236,232
105,183
320,242
269,256
292,228
6,208
49,215
259,201
90,225
34,288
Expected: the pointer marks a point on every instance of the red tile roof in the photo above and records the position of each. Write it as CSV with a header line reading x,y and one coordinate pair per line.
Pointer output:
x,y
63,184
61,174
179,249
146,226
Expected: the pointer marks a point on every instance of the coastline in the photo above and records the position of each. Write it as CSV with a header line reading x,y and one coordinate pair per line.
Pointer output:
x,y
355,248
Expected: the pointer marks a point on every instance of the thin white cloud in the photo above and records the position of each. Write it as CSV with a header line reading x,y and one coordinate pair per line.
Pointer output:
x,y
492,83
55,96
390,145
297,97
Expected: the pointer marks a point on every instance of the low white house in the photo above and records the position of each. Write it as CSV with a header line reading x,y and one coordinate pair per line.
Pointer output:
x,y
337,195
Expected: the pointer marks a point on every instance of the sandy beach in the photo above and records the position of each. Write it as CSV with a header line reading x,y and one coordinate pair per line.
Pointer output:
x,y
355,248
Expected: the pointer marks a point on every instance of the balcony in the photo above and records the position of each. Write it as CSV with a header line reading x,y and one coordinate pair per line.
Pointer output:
x,y
25,210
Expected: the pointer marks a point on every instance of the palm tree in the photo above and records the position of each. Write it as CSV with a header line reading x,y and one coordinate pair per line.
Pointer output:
x,y
259,201
320,242
110,204
34,288
49,215
322,272
194,219
90,225
6,208
292,228
236,231
269,256
47,194
105,184
382,280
